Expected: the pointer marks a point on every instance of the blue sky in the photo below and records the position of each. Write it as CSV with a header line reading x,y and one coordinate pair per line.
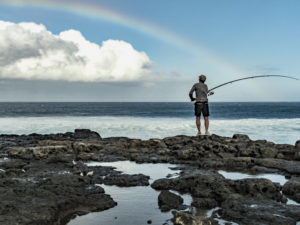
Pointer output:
x,y
223,39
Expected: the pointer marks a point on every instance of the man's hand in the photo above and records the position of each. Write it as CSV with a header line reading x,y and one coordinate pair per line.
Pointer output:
x,y
191,97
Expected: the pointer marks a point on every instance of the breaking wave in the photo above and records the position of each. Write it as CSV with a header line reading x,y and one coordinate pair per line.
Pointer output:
x,y
285,131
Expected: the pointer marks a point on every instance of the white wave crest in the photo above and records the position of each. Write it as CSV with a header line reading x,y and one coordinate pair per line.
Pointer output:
x,y
285,131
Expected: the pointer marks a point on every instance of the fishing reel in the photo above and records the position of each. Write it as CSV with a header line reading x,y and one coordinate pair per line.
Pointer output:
x,y
210,93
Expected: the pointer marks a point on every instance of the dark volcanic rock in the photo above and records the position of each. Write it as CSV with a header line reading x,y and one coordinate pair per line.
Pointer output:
x,y
86,134
292,189
125,180
109,176
168,200
297,150
264,212
52,153
241,137
210,190
290,167
44,182
198,184
204,203
204,186
48,194
257,188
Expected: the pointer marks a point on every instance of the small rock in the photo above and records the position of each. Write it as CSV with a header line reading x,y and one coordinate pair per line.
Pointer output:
x,y
241,136
297,150
292,189
168,200
86,134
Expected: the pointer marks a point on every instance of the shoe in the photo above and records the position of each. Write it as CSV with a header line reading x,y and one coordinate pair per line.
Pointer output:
x,y
207,133
199,133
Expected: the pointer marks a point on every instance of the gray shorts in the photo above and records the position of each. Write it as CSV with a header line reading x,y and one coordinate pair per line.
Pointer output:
x,y
201,108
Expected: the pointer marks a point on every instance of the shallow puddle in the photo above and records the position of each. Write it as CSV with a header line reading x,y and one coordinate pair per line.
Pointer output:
x,y
275,178
292,202
136,205
155,171
225,222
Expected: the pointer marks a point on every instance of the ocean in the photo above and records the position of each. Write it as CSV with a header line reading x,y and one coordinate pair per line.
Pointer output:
x,y
278,122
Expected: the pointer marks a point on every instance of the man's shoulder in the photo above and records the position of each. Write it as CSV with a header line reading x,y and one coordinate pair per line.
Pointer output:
x,y
194,85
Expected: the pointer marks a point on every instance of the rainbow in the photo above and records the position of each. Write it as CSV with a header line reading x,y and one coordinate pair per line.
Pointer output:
x,y
96,11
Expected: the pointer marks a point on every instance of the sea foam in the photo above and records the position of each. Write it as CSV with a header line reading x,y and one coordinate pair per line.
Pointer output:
x,y
285,131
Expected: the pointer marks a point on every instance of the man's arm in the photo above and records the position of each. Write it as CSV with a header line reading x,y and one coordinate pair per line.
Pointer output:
x,y
206,89
191,93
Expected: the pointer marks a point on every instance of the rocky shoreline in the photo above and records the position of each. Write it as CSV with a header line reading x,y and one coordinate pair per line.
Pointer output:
x,y
43,178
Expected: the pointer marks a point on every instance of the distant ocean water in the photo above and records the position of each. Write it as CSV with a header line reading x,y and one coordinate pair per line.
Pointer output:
x,y
274,121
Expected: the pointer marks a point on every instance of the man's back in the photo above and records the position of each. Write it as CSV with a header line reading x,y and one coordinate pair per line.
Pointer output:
x,y
201,92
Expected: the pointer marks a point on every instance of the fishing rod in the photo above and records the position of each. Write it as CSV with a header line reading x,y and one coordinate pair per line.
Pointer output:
x,y
210,92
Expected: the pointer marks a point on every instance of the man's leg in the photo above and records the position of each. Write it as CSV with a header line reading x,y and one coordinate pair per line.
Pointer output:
x,y
206,123
198,124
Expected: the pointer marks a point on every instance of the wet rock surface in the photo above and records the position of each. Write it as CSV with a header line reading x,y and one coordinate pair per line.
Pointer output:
x,y
38,193
44,180
168,200
252,211
292,189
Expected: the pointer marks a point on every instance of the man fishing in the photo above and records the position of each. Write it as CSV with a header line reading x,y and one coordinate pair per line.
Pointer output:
x,y
201,104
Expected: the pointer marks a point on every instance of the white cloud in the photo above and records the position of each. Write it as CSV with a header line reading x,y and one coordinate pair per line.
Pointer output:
x,y
30,51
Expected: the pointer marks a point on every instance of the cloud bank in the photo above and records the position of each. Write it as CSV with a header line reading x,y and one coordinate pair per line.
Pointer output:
x,y
29,51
